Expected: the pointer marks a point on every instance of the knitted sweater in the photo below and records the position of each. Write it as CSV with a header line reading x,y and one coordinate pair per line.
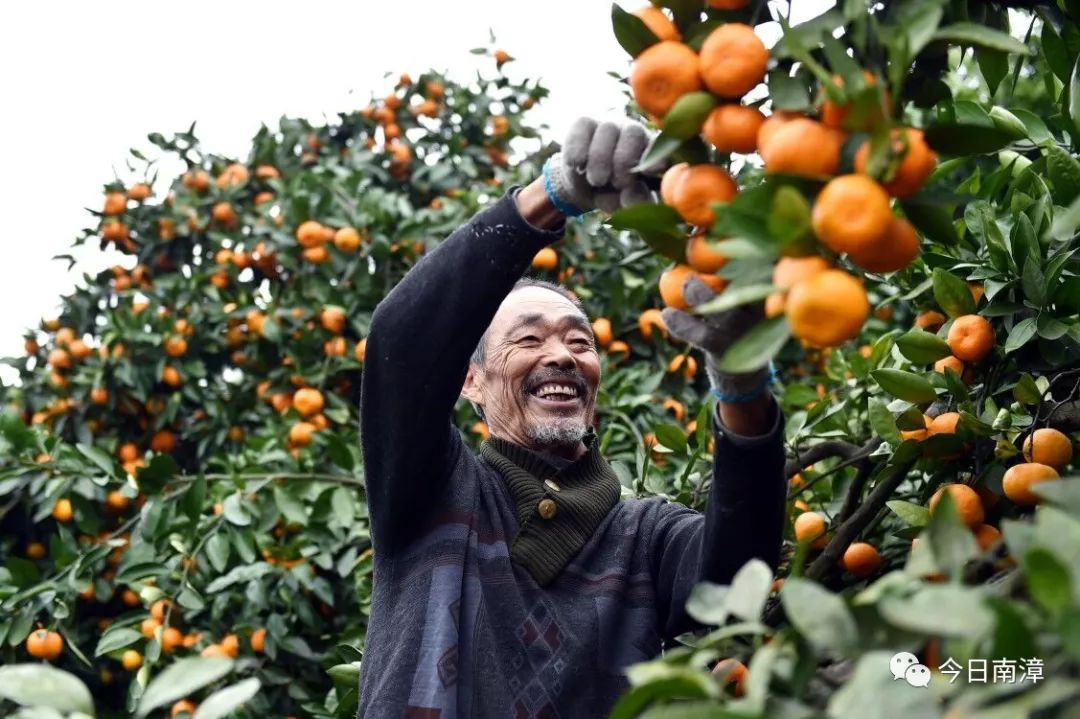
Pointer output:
x,y
458,628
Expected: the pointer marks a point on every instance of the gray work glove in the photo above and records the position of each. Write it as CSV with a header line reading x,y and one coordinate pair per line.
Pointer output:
x,y
713,334
593,169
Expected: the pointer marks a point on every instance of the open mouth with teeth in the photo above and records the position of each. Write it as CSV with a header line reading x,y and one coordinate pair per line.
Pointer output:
x,y
557,394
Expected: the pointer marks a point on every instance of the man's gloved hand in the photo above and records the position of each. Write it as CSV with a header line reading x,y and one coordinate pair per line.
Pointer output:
x,y
714,334
593,169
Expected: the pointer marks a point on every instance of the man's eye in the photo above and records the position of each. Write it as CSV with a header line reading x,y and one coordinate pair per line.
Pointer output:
x,y
529,338
581,342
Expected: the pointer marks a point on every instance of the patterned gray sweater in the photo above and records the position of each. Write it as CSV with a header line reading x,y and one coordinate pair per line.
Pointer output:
x,y
457,628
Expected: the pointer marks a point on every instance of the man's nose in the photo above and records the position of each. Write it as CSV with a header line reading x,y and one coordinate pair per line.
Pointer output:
x,y
558,355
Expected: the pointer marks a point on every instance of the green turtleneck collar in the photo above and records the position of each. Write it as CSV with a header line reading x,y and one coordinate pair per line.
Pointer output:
x,y
583,492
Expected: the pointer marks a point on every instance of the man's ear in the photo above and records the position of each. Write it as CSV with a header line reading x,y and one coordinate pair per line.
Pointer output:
x,y
471,389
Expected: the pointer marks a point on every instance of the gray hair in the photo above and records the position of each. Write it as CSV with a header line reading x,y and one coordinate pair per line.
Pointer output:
x,y
479,355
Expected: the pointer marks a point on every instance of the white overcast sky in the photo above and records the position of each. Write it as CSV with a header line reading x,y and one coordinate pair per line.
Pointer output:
x,y
83,82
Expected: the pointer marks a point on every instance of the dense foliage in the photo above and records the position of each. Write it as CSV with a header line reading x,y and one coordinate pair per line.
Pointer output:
x,y
181,490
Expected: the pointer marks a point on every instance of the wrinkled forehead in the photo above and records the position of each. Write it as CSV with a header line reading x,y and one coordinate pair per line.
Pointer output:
x,y
535,305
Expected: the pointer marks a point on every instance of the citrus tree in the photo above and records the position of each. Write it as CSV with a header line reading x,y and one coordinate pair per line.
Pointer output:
x,y
899,183
182,514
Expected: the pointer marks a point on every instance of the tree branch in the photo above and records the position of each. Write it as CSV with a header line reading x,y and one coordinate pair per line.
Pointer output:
x,y
818,452
854,493
862,517
855,457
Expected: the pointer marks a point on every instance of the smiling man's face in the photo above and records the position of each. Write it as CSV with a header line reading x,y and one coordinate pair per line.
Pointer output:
x,y
540,374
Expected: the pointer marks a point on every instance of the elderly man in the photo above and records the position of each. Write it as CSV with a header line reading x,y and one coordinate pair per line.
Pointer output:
x,y
515,582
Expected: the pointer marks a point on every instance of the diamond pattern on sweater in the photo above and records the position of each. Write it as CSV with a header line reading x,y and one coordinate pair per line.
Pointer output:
x,y
537,682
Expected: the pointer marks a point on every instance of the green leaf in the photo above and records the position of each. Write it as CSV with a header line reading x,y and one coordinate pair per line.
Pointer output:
x,y
757,347
1034,284
934,221
1008,122
952,294
234,512
660,680
659,149
958,140
1048,580
787,92
1074,99
921,347
915,22
271,330
905,385
183,677
1025,391
1021,333
190,599
40,685
1055,52
749,590
1067,222
116,638
1064,171
788,222
225,701
707,603
98,457
631,32
738,248
818,614
952,543
687,115
244,573
690,710
873,693
157,473
140,570
949,610
291,508
1060,494
665,244
914,515
1036,126
342,502
672,437
733,297
217,551
994,66
882,422
194,498
970,33
647,217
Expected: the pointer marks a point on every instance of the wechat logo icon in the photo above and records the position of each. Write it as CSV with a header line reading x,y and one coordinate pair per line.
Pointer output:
x,y
905,665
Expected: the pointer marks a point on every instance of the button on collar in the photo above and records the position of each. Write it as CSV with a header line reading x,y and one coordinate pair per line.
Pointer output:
x,y
547,508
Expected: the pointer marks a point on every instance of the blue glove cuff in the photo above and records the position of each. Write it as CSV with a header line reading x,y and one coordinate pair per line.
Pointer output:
x,y
564,207
747,396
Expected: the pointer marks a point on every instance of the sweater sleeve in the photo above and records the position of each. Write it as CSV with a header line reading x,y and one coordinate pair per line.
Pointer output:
x,y
743,519
422,335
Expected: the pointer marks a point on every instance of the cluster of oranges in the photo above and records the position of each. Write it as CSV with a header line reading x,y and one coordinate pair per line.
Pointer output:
x,y
861,559
1046,452
852,213
428,103
313,236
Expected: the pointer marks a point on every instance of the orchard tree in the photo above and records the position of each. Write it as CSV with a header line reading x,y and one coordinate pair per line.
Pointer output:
x,y
899,183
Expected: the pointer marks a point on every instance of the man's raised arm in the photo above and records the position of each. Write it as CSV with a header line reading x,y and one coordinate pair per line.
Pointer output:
x,y
744,517
422,335
424,332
